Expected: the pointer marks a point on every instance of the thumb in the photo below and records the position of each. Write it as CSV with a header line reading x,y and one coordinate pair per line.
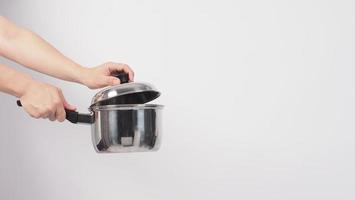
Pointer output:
x,y
110,80
66,104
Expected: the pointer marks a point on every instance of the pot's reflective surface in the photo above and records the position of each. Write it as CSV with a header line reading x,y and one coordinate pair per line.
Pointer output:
x,y
127,128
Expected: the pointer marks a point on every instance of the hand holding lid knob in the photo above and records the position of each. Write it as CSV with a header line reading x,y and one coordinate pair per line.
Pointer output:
x,y
123,76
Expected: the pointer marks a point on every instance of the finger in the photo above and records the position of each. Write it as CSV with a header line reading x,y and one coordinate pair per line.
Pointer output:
x,y
110,80
45,114
52,116
60,112
130,72
30,110
68,106
56,101
113,67
65,103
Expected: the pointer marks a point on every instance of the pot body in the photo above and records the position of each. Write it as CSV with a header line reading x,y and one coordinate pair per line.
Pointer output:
x,y
126,128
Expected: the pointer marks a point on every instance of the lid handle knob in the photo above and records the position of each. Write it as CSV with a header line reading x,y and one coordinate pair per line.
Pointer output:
x,y
123,76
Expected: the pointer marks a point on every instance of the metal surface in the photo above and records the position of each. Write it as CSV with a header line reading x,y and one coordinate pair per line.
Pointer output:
x,y
128,106
127,128
128,93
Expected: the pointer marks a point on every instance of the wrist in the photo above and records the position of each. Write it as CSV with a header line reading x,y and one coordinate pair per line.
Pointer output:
x,y
80,75
24,81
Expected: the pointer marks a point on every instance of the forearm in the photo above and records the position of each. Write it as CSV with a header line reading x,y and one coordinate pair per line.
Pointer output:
x,y
28,49
13,82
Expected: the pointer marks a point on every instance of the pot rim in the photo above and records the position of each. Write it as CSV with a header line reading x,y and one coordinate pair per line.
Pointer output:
x,y
126,107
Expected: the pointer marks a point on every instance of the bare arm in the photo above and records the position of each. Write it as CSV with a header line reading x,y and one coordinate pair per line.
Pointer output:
x,y
28,49
40,100
13,82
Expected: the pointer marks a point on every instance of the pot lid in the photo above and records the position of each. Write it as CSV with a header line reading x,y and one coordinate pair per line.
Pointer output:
x,y
125,93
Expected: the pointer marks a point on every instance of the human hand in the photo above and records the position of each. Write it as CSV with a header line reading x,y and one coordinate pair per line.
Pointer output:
x,y
100,76
42,100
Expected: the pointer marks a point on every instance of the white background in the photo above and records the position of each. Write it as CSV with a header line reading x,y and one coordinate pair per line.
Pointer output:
x,y
259,100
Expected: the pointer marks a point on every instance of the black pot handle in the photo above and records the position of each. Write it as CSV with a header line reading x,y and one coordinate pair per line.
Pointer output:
x,y
73,116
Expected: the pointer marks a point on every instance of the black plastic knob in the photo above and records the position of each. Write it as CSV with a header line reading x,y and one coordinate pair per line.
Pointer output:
x,y
123,76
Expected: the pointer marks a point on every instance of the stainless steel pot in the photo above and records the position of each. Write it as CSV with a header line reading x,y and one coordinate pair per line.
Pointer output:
x,y
123,128
120,120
